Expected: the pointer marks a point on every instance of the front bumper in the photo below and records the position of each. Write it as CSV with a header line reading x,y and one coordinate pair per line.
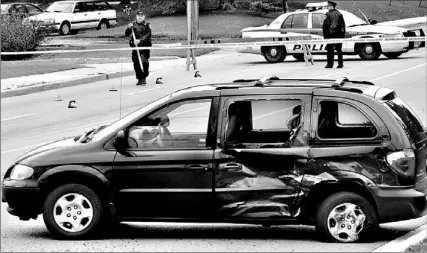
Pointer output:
x,y
22,197
399,203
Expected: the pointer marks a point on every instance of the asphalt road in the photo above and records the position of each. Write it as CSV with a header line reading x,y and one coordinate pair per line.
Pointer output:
x,y
28,121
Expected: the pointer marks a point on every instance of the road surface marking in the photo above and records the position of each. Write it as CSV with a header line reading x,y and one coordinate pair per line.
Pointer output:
x,y
398,72
17,149
17,117
141,91
377,63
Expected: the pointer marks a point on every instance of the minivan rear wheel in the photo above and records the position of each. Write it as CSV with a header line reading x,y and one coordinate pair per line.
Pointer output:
x,y
72,211
346,217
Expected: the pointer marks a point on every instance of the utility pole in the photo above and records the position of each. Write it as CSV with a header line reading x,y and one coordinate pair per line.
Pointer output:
x,y
193,29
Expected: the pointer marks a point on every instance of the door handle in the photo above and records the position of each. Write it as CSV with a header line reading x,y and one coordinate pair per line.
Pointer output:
x,y
231,167
196,167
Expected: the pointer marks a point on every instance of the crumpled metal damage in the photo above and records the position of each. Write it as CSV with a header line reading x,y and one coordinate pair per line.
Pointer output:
x,y
266,193
367,168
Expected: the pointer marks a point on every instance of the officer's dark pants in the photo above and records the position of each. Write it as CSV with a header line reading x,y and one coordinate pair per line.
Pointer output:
x,y
330,53
145,55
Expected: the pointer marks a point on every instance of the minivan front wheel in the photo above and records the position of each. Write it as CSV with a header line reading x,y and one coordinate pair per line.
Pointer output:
x,y
72,211
346,217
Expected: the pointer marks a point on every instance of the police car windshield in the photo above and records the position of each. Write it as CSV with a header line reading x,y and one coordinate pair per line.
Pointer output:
x,y
352,20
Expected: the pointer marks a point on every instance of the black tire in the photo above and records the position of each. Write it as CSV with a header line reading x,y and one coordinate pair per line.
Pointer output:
x,y
103,25
298,57
68,192
369,51
369,226
392,55
274,54
65,29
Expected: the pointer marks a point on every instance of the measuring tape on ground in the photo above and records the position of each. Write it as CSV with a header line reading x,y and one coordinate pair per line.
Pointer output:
x,y
227,45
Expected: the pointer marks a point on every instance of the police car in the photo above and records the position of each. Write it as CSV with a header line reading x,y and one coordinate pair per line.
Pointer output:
x,y
309,22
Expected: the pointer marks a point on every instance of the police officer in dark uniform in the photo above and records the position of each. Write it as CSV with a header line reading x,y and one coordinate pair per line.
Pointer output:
x,y
142,30
334,28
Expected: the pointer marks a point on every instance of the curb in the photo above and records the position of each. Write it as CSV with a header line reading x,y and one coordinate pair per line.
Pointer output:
x,y
402,243
63,84
78,81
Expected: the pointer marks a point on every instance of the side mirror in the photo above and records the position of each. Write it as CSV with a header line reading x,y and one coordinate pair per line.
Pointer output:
x,y
120,142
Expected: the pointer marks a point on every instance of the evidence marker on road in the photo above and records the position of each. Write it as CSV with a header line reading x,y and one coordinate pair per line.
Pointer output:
x,y
197,74
159,80
72,104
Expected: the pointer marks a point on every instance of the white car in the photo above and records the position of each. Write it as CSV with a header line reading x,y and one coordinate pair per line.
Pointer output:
x,y
309,22
65,16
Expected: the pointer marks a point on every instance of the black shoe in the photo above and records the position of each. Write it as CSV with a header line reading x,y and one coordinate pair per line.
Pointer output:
x,y
328,66
340,66
141,82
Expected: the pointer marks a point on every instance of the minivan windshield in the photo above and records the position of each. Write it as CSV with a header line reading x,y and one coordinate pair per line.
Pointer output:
x,y
407,119
122,123
60,7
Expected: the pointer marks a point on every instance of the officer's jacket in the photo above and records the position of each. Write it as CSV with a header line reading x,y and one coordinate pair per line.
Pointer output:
x,y
142,33
334,25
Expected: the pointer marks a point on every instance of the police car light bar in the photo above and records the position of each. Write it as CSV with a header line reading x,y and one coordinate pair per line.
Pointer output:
x,y
316,6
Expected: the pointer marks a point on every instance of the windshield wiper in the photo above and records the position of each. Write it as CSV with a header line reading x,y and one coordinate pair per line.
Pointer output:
x,y
89,135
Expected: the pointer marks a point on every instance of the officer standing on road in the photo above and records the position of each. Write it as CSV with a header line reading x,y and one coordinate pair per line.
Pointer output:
x,y
334,28
142,30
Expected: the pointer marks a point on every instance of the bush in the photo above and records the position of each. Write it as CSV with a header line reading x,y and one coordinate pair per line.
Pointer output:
x,y
260,8
17,36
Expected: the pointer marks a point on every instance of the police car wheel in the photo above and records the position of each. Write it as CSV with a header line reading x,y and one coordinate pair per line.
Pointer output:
x,y
392,55
369,51
274,54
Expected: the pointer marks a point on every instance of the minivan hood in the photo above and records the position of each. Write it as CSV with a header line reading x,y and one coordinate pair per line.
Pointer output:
x,y
45,150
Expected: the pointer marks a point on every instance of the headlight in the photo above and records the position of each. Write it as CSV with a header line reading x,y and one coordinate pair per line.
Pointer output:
x,y
393,35
49,21
20,172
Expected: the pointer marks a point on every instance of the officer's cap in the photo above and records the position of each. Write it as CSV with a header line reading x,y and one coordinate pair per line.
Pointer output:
x,y
333,4
140,12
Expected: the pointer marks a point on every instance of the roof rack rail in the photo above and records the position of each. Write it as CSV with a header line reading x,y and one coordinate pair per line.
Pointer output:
x,y
265,80
339,82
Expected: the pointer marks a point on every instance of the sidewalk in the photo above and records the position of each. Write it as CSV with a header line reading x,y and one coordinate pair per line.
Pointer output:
x,y
92,72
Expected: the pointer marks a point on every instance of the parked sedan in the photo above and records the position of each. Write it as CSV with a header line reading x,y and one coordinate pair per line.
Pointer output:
x,y
20,9
65,16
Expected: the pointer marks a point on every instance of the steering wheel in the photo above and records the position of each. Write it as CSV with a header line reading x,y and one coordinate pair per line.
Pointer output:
x,y
164,137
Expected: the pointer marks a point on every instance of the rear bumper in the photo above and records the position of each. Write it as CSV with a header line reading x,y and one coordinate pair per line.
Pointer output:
x,y
399,203
23,201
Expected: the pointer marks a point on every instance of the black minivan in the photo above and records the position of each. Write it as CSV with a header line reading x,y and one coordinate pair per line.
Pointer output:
x,y
341,155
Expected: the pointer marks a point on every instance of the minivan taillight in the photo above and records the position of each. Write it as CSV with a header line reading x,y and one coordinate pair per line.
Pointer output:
x,y
403,162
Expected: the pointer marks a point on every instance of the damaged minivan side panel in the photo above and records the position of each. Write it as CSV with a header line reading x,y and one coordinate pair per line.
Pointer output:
x,y
260,168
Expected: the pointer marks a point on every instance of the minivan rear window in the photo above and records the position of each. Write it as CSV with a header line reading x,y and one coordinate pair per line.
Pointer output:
x,y
408,119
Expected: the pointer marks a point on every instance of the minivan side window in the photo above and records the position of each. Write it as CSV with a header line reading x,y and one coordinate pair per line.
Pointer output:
x,y
318,19
250,123
181,125
343,121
